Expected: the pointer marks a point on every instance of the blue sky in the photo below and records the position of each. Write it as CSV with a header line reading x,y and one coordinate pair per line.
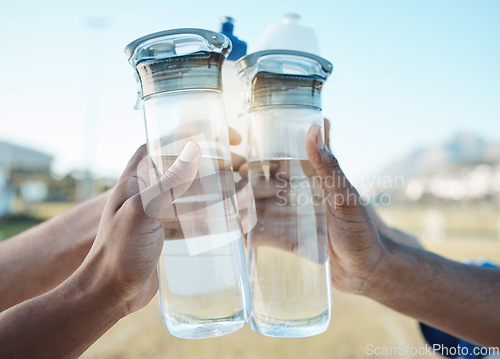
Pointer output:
x,y
406,73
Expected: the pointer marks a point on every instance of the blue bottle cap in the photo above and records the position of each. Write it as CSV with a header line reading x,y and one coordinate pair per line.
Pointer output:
x,y
239,48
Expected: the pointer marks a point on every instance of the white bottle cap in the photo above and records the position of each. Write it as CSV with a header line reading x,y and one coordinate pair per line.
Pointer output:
x,y
291,19
289,35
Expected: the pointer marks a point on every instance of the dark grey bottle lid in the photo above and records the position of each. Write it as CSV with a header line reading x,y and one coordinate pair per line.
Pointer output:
x,y
252,59
212,37
178,59
284,77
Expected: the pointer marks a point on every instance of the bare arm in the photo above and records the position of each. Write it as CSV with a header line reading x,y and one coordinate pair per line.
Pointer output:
x,y
40,258
117,277
64,322
457,298
369,260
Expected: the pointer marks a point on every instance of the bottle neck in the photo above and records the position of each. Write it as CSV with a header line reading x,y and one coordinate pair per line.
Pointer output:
x,y
185,108
279,132
191,72
270,89
176,117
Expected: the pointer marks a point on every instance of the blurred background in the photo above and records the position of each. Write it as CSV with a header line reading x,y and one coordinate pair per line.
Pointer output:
x,y
414,102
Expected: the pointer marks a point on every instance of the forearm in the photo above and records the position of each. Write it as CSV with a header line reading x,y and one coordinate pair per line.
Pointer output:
x,y
385,265
64,322
456,298
40,258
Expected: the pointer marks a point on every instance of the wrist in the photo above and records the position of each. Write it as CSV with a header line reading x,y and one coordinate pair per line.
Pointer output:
x,y
85,219
93,279
380,282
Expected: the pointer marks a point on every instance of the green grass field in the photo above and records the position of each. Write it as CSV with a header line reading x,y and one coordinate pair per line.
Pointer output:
x,y
14,226
356,321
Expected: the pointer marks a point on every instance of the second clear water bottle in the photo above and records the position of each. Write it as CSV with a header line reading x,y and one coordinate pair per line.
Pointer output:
x,y
203,282
288,247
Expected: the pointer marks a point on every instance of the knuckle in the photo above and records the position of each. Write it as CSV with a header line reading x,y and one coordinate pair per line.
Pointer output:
x,y
135,205
175,175
331,161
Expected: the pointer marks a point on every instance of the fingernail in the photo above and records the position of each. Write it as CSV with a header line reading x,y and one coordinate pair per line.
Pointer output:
x,y
318,137
189,152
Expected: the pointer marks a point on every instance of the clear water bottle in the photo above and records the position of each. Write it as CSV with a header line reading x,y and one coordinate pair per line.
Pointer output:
x,y
288,247
203,282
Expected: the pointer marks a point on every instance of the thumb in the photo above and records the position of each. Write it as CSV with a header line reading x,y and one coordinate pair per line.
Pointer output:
x,y
156,199
337,188
347,214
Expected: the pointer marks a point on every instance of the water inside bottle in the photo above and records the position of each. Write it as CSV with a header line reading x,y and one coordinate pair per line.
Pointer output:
x,y
288,250
201,268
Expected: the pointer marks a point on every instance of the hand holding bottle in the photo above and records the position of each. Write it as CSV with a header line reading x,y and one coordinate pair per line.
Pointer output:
x,y
129,241
354,243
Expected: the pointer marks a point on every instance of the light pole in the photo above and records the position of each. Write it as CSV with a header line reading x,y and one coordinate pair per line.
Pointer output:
x,y
96,25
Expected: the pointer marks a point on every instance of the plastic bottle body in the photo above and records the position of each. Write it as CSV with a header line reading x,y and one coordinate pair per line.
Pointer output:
x,y
233,100
288,248
203,282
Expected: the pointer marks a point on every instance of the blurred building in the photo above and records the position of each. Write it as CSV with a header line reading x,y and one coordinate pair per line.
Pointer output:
x,y
27,182
24,172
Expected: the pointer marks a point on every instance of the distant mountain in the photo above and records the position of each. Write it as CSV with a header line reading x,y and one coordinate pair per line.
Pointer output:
x,y
465,168
463,150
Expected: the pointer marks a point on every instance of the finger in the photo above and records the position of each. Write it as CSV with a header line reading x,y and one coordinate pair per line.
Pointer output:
x,y
156,199
335,185
237,161
234,137
243,169
327,133
127,184
345,210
